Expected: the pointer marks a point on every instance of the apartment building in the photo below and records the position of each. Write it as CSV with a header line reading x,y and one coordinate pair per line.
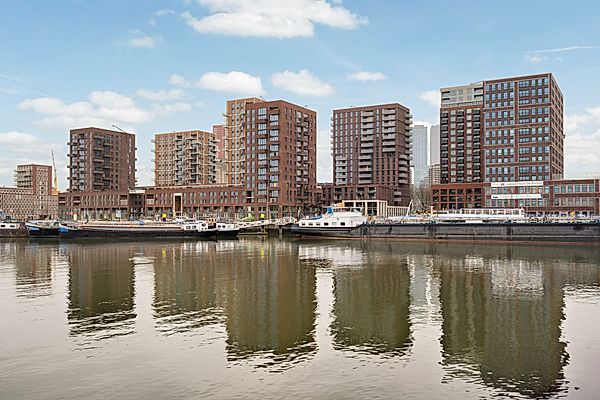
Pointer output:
x,y
371,146
524,136
280,174
502,130
101,159
184,158
234,140
461,114
32,197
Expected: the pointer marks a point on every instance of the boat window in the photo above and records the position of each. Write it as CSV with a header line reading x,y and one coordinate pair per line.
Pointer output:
x,y
325,223
310,224
2,226
333,223
342,224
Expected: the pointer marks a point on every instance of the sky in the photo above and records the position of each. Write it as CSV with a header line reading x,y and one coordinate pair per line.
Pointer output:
x,y
168,65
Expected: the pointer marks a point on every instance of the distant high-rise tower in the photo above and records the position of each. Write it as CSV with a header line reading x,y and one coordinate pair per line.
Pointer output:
x,y
419,155
101,159
434,145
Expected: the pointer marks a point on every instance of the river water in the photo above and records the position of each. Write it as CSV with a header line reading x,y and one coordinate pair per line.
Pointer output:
x,y
283,319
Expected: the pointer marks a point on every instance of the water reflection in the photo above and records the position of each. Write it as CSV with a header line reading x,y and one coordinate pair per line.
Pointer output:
x,y
502,324
371,308
270,305
185,286
491,315
258,290
101,290
34,264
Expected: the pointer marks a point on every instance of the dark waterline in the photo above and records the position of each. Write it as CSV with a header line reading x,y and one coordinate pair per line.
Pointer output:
x,y
298,319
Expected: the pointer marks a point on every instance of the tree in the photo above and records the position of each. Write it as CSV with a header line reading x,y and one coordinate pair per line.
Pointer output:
x,y
421,197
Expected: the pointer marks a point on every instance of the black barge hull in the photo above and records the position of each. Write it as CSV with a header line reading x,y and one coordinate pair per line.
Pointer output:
x,y
107,233
519,232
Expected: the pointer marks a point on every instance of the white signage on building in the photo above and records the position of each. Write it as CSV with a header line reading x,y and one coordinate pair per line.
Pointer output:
x,y
516,196
517,184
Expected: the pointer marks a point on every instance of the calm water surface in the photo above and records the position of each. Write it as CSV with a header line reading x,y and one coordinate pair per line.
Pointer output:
x,y
284,319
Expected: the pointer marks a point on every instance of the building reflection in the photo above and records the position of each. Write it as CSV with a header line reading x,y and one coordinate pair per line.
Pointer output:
x,y
371,296
371,306
502,323
101,290
34,262
270,304
186,278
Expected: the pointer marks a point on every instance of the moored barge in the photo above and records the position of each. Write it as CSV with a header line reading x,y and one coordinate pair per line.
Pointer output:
x,y
344,223
197,229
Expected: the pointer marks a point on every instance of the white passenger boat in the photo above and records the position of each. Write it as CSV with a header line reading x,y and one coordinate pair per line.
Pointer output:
x,y
338,220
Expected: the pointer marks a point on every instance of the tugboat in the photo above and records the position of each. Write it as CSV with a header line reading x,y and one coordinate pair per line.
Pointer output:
x,y
42,228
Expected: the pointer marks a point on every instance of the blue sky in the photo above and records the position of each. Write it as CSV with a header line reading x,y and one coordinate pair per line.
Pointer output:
x,y
156,66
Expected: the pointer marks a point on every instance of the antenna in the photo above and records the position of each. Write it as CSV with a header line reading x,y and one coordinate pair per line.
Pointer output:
x,y
55,185
114,126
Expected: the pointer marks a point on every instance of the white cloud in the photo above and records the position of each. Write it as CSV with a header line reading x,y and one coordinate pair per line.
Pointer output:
x,y
161,95
563,49
233,82
582,143
178,80
163,12
366,76
140,40
303,82
535,58
103,108
21,141
432,97
272,18
143,42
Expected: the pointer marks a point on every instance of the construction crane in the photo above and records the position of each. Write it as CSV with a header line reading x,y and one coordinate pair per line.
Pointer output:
x,y
55,185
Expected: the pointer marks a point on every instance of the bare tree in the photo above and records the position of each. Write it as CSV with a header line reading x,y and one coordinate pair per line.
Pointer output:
x,y
421,197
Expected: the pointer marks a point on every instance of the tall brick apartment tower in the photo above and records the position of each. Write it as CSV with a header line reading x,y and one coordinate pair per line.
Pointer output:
x,y
184,158
502,130
371,148
461,134
280,146
504,134
101,160
524,136
234,144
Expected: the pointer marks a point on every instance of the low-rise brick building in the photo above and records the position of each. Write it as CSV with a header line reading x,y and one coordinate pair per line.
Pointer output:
x,y
32,197
541,198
